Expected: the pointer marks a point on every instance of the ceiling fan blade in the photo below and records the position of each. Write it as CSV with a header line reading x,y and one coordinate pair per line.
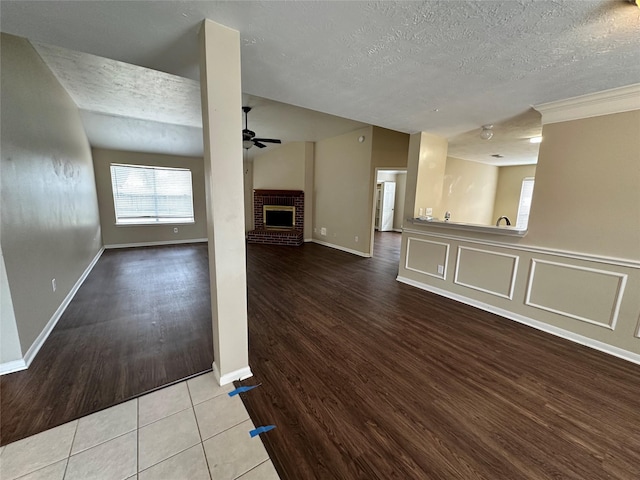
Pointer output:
x,y
268,140
258,144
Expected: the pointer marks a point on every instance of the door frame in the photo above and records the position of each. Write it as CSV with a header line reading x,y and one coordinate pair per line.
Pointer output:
x,y
373,200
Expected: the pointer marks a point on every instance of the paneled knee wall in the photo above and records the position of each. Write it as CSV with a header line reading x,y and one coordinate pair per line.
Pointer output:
x,y
588,299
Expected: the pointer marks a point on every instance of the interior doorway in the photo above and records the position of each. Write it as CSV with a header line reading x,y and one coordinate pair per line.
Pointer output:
x,y
388,202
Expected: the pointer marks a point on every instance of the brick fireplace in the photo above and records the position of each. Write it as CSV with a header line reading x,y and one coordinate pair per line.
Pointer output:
x,y
284,222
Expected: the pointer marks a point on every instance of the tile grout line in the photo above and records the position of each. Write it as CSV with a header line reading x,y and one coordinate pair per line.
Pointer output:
x,y
171,456
109,439
137,437
252,468
226,429
193,407
103,442
75,432
166,416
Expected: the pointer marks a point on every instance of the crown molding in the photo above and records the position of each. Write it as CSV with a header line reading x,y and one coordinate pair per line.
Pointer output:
x,y
616,100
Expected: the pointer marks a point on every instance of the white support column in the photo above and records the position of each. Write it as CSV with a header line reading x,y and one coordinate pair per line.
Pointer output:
x,y
220,85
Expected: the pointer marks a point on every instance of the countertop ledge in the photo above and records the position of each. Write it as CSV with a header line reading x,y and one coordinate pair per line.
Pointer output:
x,y
505,231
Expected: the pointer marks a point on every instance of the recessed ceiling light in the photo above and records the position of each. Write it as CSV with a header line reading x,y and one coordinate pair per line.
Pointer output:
x,y
537,139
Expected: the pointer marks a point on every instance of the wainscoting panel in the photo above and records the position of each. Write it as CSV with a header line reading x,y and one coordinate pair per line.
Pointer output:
x,y
586,294
486,271
424,256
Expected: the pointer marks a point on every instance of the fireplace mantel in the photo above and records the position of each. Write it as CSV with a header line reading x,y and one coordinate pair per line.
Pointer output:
x,y
287,193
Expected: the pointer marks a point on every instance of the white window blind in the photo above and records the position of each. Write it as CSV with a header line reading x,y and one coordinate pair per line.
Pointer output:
x,y
143,194
526,194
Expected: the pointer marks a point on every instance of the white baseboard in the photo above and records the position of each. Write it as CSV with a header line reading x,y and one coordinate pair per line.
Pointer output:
x,y
344,249
155,244
12,366
307,240
239,374
545,327
39,341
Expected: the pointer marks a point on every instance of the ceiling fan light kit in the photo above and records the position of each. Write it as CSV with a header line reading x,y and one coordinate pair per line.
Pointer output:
x,y
249,138
487,132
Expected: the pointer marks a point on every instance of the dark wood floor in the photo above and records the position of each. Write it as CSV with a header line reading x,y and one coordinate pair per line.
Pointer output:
x,y
364,377
141,320
367,378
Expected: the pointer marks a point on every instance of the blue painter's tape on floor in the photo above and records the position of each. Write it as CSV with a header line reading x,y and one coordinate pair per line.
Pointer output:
x,y
260,430
242,390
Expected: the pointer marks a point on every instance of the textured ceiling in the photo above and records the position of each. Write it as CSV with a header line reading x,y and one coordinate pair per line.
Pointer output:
x,y
510,140
446,67
127,107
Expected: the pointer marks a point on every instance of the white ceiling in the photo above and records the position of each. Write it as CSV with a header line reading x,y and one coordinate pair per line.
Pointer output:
x,y
446,67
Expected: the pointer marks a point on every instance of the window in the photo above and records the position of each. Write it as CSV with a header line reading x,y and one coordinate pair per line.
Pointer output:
x,y
526,194
151,195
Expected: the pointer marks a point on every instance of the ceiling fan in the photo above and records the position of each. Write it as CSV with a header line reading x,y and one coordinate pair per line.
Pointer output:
x,y
249,137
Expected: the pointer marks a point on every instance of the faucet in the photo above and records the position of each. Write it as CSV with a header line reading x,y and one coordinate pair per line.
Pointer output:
x,y
505,218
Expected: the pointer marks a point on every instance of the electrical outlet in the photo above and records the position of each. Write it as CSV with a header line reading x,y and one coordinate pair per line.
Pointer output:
x,y
323,231
420,212
175,229
441,269
315,229
357,239
54,286
428,211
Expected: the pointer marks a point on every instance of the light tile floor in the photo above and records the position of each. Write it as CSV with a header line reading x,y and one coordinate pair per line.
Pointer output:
x,y
192,430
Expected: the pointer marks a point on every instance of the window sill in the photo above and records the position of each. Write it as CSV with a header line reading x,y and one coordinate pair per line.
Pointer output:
x,y
152,224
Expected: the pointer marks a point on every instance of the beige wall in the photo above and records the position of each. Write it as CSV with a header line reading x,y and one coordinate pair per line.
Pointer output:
x,y
577,270
425,170
50,223
508,190
587,195
468,191
389,149
113,234
342,193
280,168
401,187
288,167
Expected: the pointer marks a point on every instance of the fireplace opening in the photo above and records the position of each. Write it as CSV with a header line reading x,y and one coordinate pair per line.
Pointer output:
x,y
279,216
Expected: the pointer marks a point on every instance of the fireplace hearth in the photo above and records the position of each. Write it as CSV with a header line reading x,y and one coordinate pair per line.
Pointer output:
x,y
278,217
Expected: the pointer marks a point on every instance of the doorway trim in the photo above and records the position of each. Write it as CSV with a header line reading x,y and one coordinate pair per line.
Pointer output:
x,y
374,187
